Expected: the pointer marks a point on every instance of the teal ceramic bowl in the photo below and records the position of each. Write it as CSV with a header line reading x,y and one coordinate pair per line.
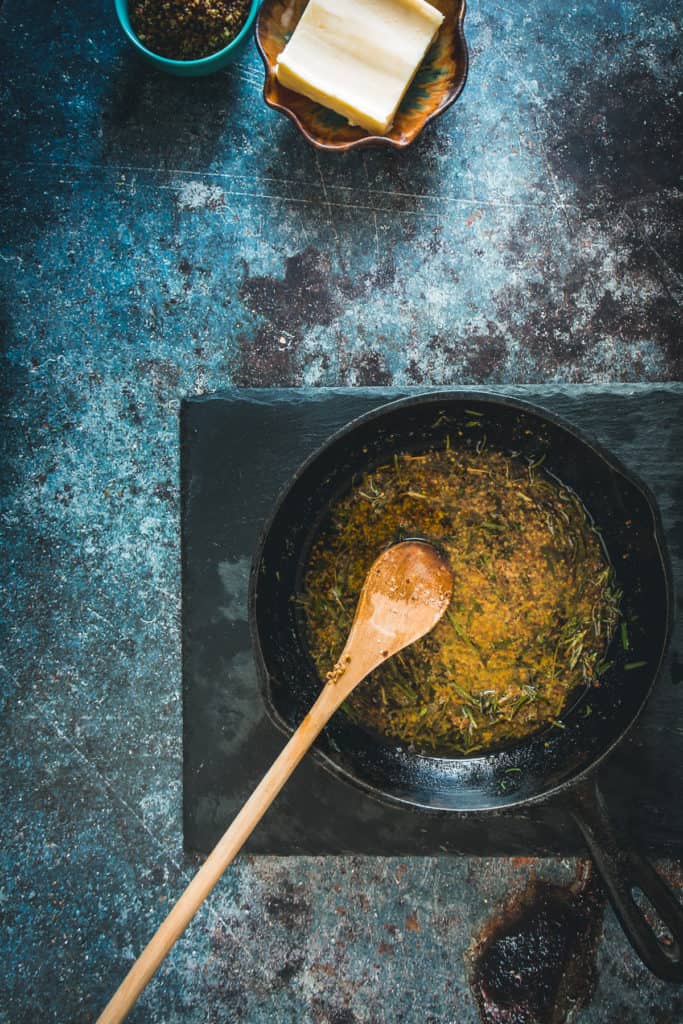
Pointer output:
x,y
188,68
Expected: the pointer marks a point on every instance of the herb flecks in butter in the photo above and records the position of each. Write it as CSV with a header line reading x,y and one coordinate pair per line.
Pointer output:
x,y
534,602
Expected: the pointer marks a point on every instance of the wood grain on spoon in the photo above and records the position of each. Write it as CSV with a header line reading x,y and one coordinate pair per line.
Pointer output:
x,y
404,595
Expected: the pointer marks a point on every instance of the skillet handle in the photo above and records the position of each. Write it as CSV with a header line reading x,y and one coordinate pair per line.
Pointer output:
x,y
622,870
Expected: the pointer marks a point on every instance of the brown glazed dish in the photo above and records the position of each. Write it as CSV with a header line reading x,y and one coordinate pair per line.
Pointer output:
x,y
439,81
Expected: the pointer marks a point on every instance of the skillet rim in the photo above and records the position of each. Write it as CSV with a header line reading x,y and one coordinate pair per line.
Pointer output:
x,y
438,395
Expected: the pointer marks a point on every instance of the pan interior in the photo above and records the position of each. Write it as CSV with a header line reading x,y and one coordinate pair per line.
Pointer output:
x,y
627,522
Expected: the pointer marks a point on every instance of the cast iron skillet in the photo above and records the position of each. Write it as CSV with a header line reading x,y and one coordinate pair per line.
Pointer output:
x,y
559,763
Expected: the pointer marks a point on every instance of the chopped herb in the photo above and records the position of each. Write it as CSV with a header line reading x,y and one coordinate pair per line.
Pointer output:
x,y
461,633
624,636
462,694
634,664
494,527
468,714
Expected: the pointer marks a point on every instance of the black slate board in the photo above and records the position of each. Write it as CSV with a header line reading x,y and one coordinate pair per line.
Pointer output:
x,y
237,450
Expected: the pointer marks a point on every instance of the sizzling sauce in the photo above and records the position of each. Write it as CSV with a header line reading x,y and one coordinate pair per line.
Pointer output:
x,y
534,603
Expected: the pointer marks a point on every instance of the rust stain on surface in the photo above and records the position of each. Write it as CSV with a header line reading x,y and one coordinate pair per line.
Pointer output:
x,y
412,923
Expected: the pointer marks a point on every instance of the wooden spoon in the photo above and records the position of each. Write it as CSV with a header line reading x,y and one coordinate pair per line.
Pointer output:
x,y
405,594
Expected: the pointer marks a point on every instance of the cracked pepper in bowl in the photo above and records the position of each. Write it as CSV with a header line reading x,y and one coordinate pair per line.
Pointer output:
x,y
187,29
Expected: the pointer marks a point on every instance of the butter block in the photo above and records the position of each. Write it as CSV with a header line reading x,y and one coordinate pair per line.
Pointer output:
x,y
358,57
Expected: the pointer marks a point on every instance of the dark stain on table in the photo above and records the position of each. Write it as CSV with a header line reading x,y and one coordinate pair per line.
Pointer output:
x,y
620,123
308,295
534,961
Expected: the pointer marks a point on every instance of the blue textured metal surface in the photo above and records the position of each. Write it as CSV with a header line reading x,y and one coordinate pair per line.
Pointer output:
x,y
163,238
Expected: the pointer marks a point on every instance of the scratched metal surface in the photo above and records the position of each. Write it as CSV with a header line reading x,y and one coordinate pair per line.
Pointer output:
x,y
163,238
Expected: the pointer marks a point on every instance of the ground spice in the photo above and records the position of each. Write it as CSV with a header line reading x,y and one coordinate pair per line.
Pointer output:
x,y
187,29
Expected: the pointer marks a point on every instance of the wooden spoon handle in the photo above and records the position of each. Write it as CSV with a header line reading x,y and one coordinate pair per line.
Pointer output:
x,y
219,858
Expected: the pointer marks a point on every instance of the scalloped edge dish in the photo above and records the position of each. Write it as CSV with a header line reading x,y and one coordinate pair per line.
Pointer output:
x,y
439,81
